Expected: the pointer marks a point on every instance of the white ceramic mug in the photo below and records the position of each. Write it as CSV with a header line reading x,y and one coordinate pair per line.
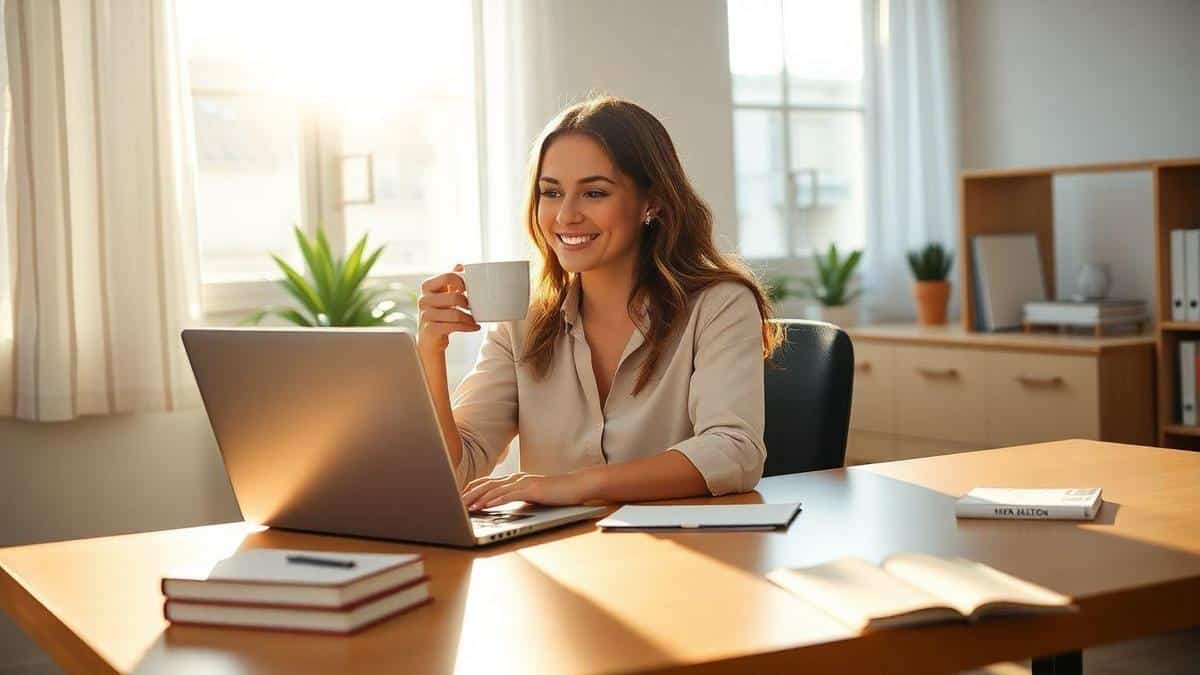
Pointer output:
x,y
498,291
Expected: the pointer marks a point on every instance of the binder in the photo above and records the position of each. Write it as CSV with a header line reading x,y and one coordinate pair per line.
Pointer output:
x,y
1187,382
1179,272
1191,266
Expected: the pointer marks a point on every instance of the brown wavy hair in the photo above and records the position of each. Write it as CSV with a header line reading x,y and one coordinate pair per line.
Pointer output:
x,y
676,257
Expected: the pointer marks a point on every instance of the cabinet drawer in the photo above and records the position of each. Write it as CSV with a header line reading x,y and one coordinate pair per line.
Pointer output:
x,y
939,393
871,409
1041,397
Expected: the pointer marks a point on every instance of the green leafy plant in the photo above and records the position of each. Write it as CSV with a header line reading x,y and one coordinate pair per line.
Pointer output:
x,y
831,287
334,290
931,263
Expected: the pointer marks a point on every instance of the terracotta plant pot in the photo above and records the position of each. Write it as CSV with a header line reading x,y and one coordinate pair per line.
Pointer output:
x,y
932,298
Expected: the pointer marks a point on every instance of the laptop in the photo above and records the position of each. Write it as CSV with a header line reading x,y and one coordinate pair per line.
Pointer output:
x,y
334,431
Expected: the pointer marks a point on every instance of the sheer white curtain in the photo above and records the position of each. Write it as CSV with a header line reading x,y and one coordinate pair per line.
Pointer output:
x,y
100,218
912,125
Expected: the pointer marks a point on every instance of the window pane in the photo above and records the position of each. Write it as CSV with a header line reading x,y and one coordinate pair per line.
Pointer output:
x,y
824,51
391,79
827,171
425,208
758,157
248,184
755,51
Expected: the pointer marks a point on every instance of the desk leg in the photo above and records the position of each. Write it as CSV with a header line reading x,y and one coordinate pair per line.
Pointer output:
x,y
1069,663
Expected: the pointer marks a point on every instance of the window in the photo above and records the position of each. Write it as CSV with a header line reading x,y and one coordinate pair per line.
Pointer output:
x,y
359,115
797,68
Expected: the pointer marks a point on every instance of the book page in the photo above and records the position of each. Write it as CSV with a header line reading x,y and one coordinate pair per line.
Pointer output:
x,y
967,585
858,593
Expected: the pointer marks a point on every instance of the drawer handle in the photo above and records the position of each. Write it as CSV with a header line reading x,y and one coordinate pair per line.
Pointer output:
x,y
1055,381
864,366
945,373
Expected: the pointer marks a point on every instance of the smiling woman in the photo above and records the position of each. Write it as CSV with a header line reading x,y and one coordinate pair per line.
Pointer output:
x,y
638,372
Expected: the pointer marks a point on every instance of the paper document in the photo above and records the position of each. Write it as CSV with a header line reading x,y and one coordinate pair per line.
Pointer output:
x,y
709,517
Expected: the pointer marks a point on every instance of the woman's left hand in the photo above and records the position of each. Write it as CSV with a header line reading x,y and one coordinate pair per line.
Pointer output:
x,y
561,490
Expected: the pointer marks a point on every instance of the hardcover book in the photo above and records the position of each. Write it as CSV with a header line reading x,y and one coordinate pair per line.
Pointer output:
x,y
290,577
1031,504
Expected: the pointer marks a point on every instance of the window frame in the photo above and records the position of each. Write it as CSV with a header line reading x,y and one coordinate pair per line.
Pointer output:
x,y
793,261
320,154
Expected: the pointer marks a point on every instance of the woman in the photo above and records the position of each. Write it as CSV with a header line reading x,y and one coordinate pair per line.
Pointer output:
x,y
638,372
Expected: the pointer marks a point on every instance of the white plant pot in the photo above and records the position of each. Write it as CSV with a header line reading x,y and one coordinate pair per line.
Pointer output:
x,y
843,316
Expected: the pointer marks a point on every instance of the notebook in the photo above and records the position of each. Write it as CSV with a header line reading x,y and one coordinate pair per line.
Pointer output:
x,y
292,577
915,588
719,517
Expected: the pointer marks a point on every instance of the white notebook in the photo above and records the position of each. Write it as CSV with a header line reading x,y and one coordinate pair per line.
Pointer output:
x,y
1030,504
915,588
705,517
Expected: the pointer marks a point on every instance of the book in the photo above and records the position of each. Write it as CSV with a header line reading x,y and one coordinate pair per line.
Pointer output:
x,y
1191,266
1179,274
349,619
915,589
1030,504
1187,382
1009,274
291,577
708,517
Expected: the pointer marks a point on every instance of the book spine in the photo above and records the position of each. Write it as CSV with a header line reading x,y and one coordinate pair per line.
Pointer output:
x,y
1178,277
1187,382
1191,266
1020,512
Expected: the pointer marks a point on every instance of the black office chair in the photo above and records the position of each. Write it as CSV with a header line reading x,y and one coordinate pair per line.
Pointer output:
x,y
808,398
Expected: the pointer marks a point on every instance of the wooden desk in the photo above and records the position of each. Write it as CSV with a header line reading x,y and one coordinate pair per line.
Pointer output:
x,y
579,600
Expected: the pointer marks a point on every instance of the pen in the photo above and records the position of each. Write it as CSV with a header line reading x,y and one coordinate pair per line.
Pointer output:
x,y
324,562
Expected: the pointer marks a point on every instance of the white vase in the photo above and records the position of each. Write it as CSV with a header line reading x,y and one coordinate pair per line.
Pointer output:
x,y
842,316
1092,281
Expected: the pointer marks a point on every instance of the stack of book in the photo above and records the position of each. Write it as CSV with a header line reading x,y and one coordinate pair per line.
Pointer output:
x,y
296,590
1088,313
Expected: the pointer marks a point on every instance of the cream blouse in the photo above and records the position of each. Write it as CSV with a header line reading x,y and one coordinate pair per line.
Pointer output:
x,y
704,399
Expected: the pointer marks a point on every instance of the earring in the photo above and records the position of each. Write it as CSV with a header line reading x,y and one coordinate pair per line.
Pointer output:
x,y
649,219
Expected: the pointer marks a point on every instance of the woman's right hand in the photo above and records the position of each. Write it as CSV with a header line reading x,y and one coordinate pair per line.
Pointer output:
x,y
438,311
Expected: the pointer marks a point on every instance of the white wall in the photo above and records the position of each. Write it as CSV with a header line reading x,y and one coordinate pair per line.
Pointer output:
x,y
1074,81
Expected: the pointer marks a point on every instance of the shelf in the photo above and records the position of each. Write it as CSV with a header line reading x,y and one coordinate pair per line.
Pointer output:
x,y
1181,430
1180,325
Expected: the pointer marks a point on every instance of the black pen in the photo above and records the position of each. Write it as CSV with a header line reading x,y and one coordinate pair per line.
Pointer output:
x,y
324,562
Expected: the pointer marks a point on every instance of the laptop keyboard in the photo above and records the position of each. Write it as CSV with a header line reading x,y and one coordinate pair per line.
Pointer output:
x,y
485,520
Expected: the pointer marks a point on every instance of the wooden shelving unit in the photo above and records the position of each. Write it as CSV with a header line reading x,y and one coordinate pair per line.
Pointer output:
x,y
1176,207
1022,200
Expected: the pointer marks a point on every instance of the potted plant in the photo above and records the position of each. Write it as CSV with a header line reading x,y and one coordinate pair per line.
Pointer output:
x,y
831,287
930,266
335,291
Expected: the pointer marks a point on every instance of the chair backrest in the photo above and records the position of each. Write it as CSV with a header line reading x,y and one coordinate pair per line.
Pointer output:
x,y
808,399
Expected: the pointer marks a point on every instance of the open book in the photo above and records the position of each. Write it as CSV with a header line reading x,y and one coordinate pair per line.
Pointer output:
x,y
915,588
